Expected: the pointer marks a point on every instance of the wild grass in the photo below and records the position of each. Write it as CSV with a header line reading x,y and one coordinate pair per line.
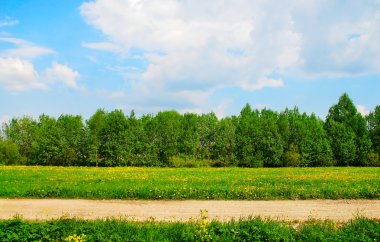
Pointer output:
x,y
190,183
252,229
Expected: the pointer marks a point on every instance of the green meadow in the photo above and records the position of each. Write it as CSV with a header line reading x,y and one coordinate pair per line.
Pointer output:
x,y
190,183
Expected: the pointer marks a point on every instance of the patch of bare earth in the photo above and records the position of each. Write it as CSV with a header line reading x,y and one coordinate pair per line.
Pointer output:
x,y
297,210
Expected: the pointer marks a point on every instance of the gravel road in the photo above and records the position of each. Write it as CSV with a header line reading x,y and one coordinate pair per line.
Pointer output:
x,y
298,210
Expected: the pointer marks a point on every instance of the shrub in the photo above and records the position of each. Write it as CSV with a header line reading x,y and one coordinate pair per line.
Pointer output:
x,y
9,154
373,159
184,161
292,157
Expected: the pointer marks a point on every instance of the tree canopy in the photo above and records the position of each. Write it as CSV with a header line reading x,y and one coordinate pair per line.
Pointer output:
x,y
254,138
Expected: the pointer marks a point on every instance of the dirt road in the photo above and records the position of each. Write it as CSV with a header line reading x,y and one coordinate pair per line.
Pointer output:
x,y
339,210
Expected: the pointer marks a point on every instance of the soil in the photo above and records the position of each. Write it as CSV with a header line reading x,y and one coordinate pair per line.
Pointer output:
x,y
139,210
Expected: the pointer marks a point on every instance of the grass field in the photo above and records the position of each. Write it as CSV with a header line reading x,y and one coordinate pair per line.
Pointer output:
x,y
186,183
254,229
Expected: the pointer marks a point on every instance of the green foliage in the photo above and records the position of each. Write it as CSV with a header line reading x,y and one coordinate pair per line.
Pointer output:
x,y
185,161
359,229
252,139
373,159
207,125
23,133
113,139
251,229
91,140
9,154
71,132
269,140
308,134
373,121
346,126
343,143
292,156
247,138
190,183
46,147
224,148
167,129
189,139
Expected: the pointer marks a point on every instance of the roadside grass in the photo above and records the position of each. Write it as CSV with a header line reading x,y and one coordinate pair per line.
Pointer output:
x,y
190,183
251,229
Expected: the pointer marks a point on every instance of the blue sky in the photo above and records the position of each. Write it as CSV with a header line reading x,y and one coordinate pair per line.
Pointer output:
x,y
192,56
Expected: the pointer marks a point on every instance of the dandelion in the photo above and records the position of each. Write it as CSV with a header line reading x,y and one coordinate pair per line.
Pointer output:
x,y
75,238
203,232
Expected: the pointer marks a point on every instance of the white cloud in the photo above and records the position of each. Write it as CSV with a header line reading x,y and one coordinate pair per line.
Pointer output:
x,y
7,22
261,83
19,75
362,110
201,46
339,39
24,49
62,73
196,47
17,72
103,46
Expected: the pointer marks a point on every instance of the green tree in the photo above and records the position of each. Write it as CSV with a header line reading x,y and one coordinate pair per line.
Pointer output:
x,y
225,143
269,139
307,134
113,142
207,125
189,135
151,152
247,131
139,149
92,139
9,154
342,143
373,122
292,156
168,131
22,132
46,146
317,150
353,124
71,132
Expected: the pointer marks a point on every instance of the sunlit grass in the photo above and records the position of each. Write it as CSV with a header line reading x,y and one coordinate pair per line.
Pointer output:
x,y
252,229
190,183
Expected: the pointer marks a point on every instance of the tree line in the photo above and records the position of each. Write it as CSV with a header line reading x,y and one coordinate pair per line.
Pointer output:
x,y
252,139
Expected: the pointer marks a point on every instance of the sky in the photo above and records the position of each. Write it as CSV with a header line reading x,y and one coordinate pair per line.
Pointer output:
x,y
74,57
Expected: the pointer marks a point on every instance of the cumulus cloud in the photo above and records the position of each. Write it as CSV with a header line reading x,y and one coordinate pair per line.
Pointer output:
x,y
338,39
201,46
62,73
19,75
195,47
17,72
